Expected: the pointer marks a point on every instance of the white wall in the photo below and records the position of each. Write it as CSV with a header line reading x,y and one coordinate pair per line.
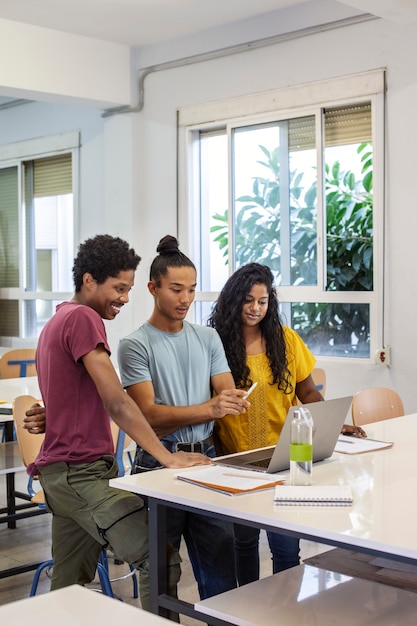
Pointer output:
x,y
128,162
330,54
48,65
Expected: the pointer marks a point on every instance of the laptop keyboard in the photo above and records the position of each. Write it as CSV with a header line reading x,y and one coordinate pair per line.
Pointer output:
x,y
261,463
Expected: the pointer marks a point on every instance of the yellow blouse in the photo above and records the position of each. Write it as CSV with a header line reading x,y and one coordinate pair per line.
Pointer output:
x,y
262,423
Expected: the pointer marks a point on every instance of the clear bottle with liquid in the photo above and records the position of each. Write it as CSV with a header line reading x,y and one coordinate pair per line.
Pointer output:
x,y
301,448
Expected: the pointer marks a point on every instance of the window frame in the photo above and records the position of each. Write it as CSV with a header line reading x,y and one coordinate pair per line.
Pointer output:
x,y
14,155
263,108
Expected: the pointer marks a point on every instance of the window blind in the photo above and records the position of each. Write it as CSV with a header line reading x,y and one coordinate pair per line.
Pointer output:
x,y
53,176
348,124
344,125
9,227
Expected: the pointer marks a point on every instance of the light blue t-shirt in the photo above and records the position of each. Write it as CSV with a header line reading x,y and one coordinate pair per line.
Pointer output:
x,y
180,366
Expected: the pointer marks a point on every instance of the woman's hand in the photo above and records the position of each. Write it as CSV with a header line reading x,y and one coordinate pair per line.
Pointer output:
x,y
355,431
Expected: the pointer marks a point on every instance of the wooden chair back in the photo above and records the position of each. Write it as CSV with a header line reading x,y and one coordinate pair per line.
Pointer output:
x,y
18,363
29,445
376,404
319,377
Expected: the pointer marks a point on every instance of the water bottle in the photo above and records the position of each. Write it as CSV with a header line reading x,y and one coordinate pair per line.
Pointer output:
x,y
301,448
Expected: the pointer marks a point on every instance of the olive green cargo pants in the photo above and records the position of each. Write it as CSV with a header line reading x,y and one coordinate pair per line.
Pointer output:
x,y
88,514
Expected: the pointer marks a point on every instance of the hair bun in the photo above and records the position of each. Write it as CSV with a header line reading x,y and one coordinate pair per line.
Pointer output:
x,y
168,245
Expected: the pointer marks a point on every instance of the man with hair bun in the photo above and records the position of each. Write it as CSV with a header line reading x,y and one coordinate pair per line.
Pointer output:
x,y
169,367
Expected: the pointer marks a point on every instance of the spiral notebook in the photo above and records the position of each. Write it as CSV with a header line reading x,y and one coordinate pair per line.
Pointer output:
x,y
314,495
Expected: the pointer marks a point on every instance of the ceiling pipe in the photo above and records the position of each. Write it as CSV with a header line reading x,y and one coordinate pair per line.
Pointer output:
x,y
236,49
14,103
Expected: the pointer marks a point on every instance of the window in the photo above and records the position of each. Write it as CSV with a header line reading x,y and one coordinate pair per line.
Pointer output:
x,y
300,190
36,233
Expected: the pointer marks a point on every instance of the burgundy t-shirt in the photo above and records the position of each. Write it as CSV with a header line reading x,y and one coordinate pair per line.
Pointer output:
x,y
77,426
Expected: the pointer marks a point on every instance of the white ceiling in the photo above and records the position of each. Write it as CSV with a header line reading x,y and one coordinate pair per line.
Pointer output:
x,y
144,22
136,22
139,23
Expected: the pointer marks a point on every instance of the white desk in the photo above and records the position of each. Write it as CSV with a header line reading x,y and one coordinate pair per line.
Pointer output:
x,y
78,606
381,520
10,459
309,596
10,388
10,463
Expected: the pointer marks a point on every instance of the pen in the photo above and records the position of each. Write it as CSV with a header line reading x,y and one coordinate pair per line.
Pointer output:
x,y
346,441
245,476
249,391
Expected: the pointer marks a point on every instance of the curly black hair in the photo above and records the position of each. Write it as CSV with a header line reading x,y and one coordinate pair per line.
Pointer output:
x,y
169,255
103,256
226,318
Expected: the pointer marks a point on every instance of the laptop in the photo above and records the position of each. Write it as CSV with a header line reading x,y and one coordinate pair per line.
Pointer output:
x,y
328,417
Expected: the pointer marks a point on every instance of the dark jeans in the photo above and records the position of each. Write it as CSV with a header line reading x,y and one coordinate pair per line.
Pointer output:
x,y
209,541
285,552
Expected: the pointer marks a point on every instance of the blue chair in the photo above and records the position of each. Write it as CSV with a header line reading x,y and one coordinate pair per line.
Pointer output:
x,y
102,571
18,363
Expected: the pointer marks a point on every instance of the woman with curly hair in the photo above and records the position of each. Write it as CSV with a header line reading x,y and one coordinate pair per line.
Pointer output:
x,y
259,348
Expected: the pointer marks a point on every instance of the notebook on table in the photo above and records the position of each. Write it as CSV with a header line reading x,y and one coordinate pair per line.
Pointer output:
x,y
328,417
314,495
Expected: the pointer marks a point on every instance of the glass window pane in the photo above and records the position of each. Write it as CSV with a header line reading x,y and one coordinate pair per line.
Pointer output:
x,y
201,312
49,225
54,242
303,201
274,186
9,227
333,329
210,243
349,198
35,315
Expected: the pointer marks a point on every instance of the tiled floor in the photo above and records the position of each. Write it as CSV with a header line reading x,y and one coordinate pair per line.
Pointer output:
x,y
30,542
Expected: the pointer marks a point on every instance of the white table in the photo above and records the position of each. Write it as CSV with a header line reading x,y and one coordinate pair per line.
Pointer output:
x,y
10,388
10,459
78,606
309,596
381,520
10,463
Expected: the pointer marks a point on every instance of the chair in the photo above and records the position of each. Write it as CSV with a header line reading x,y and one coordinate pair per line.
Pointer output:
x,y
121,442
29,446
376,404
101,570
18,363
319,377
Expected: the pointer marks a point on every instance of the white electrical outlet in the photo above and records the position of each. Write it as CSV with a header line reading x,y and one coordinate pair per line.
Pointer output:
x,y
383,356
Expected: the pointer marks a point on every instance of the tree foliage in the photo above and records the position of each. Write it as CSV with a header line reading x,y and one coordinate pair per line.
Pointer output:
x,y
260,224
